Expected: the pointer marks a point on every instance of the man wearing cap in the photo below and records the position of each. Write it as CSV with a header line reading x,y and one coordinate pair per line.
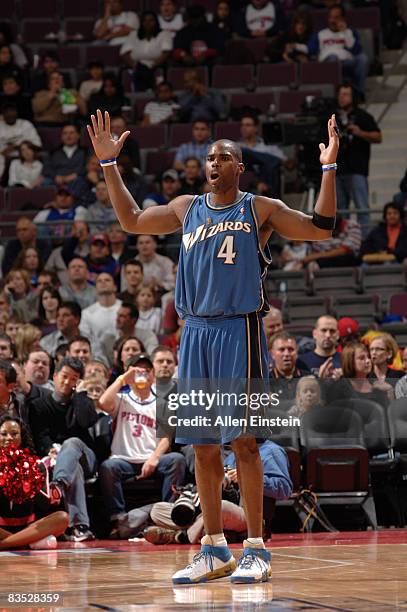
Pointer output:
x,y
100,260
135,449
55,219
348,330
170,186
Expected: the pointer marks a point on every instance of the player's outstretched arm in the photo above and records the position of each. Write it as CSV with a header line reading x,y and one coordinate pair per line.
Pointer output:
x,y
296,225
154,220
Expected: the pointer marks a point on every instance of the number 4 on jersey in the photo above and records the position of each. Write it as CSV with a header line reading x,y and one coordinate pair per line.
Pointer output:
x,y
226,251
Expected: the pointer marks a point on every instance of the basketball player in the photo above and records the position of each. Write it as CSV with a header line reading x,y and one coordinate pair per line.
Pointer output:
x,y
219,293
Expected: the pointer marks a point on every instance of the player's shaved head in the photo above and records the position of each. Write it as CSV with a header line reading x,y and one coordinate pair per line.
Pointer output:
x,y
229,145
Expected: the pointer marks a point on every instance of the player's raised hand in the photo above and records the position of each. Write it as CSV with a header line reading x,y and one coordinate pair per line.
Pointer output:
x,y
329,153
105,146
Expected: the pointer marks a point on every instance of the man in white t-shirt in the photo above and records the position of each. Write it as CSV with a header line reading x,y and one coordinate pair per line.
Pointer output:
x,y
135,449
100,318
169,19
116,24
157,269
260,18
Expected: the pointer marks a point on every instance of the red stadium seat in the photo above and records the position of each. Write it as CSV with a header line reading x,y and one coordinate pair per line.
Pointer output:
x,y
159,161
368,17
78,8
7,8
83,27
50,137
259,100
257,47
398,304
35,10
19,197
232,77
38,30
290,101
103,53
180,133
139,106
227,129
176,76
275,75
314,73
69,56
152,136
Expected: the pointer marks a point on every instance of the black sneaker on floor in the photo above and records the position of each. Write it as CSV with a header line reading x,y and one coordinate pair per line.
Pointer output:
x,y
67,536
82,533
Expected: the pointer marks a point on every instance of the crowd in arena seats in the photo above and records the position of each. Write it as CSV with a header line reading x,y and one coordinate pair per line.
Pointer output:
x,y
84,308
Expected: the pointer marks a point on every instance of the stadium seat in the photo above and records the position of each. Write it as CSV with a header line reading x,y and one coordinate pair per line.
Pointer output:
x,y
314,73
35,10
50,137
159,161
336,458
306,310
7,8
363,308
109,55
139,105
19,196
326,281
136,5
276,75
2,199
287,282
69,56
232,77
175,76
368,17
180,133
398,330
257,100
390,278
289,438
257,46
78,8
227,129
398,304
152,136
290,101
83,27
397,415
36,31
248,180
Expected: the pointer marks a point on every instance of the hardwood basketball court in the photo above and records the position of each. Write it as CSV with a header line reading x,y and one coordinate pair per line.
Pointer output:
x,y
364,571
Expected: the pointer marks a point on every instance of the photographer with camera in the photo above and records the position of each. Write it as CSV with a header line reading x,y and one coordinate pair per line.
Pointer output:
x,y
359,130
135,449
181,522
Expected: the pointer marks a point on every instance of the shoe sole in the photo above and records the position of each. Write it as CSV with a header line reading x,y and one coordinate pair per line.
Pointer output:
x,y
251,579
221,572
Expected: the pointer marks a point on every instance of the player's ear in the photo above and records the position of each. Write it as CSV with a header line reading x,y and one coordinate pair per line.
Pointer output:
x,y
241,167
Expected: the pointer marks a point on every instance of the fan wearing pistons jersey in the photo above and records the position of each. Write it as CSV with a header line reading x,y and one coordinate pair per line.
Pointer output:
x,y
220,295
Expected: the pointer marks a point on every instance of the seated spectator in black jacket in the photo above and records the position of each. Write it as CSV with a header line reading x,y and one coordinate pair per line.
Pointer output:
x,y
66,163
199,42
130,148
60,423
7,65
11,403
111,97
388,240
26,232
192,181
11,93
286,371
199,102
260,18
291,46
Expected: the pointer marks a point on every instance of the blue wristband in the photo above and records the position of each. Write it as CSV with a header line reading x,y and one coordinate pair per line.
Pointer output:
x,y
328,167
108,162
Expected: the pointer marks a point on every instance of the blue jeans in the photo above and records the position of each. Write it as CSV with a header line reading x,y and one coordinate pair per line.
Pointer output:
x,y
75,463
112,472
355,69
355,187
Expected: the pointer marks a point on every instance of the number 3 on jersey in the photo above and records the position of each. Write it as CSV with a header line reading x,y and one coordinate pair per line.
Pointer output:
x,y
226,251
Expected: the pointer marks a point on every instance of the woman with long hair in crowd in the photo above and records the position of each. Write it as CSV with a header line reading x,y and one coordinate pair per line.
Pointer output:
x,y
383,350
19,527
127,347
27,339
26,171
20,293
149,314
29,259
49,302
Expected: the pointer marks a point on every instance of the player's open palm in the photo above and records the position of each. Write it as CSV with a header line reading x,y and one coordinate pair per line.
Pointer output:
x,y
329,153
105,146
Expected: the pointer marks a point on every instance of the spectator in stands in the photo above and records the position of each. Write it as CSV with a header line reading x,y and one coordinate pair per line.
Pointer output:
x,y
292,46
223,19
293,254
12,326
27,170
7,347
169,18
264,160
340,250
60,422
127,327
383,349
388,240
339,43
198,42
124,349
324,359
11,402
96,368
8,67
26,233
164,364
80,348
5,304
56,104
135,449
199,102
130,148
192,181
118,247
60,211
95,386
27,339
307,396
29,259
273,324
146,50
11,93
84,185
157,269
75,245
100,318
110,97
401,197
348,331
163,109
286,371
133,273
96,72
22,297
7,37
101,213
99,258
66,163
45,278
68,319
134,181
260,18
149,315
78,289
14,131
116,24
198,147
49,302
49,63
37,368
169,189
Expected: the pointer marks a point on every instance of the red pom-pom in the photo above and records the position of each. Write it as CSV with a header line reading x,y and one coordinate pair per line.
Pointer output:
x,y
20,475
